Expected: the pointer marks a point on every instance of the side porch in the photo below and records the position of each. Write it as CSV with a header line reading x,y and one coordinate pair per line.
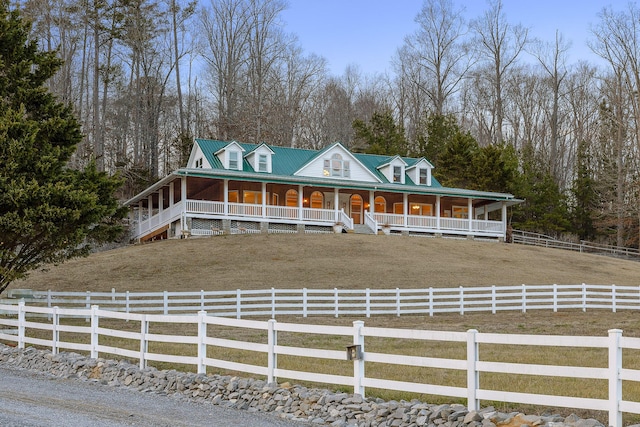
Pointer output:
x,y
181,206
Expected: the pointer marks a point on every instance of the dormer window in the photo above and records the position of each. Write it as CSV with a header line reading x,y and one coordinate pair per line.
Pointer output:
x,y
336,167
423,178
262,163
233,160
397,174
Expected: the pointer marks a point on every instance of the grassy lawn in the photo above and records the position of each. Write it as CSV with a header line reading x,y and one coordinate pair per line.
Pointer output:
x,y
356,261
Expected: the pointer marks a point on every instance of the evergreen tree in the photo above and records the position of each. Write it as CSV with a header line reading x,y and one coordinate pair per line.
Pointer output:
x,y
440,130
584,196
456,165
48,212
381,135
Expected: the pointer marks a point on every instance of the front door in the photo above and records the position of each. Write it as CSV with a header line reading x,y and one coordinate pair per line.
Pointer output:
x,y
356,209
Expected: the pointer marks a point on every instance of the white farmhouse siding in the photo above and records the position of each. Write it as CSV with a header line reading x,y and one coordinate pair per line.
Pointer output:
x,y
413,171
253,157
387,169
316,167
197,158
224,157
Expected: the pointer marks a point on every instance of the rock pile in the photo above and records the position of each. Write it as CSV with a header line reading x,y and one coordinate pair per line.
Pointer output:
x,y
314,406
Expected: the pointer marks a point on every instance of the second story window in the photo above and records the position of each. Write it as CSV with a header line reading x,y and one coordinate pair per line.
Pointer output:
x,y
262,163
397,174
336,166
423,176
199,163
233,160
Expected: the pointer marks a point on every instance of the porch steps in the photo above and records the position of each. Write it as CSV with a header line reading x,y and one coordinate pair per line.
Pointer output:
x,y
362,229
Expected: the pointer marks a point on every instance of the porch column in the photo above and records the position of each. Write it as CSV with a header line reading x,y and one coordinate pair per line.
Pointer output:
x,y
336,201
225,197
264,200
504,219
183,197
405,209
438,212
486,213
160,201
300,199
171,194
372,203
150,205
470,213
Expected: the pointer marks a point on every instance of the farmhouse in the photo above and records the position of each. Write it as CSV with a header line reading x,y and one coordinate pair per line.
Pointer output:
x,y
232,187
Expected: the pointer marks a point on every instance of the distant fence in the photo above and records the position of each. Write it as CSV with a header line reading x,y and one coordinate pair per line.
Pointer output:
x,y
94,336
541,240
346,302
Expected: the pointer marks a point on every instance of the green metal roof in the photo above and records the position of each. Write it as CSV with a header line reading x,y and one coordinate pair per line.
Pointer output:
x,y
287,161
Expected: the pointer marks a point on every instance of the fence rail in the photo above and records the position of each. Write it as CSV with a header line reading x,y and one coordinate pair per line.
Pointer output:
x,y
346,302
536,239
94,336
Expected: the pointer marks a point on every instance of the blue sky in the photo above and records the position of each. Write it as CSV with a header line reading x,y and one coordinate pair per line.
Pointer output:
x,y
368,32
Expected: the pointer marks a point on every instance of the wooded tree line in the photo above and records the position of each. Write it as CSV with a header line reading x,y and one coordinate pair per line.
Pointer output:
x,y
489,105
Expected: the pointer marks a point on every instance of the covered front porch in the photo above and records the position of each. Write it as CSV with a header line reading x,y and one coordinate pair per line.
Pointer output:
x,y
181,206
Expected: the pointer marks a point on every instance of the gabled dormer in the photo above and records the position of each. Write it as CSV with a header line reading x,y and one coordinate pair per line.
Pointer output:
x,y
420,172
197,159
394,170
231,156
336,162
261,158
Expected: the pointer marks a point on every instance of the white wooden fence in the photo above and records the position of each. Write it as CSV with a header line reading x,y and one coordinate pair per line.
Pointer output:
x,y
613,374
347,302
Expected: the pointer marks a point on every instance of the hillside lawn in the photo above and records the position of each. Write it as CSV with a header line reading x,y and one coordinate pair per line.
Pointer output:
x,y
356,261
361,261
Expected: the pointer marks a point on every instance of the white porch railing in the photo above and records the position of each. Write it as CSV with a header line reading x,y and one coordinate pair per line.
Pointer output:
x,y
370,221
318,216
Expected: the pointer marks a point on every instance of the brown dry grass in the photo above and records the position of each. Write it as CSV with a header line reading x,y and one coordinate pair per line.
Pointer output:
x,y
357,261
327,261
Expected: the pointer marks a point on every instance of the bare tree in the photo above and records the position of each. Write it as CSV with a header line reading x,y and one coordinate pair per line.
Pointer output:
x,y
437,49
499,45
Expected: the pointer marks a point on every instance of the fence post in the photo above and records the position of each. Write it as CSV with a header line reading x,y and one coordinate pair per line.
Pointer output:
x,y
430,302
398,302
201,299
165,302
472,373
584,297
21,324
613,298
358,363
493,299
202,345
113,295
615,383
304,302
272,357
524,298
144,330
94,331
238,304
55,318
87,305
367,294
461,301
273,303
49,303
336,302
126,304
555,298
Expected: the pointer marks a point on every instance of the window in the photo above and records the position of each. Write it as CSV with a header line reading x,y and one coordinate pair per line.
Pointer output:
x,y
233,196
317,200
421,209
397,174
291,198
262,163
252,197
233,160
460,212
199,163
422,176
380,204
336,167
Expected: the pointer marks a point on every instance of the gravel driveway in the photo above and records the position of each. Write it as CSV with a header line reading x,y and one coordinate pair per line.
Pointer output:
x,y
29,399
